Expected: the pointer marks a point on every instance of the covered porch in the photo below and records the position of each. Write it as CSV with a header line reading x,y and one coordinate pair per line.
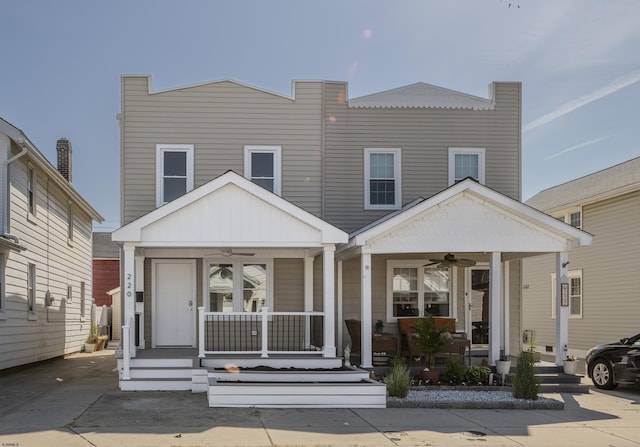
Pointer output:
x,y
436,254
229,269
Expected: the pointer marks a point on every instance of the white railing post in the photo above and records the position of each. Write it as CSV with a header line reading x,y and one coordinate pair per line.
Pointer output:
x,y
265,328
201,332
126,352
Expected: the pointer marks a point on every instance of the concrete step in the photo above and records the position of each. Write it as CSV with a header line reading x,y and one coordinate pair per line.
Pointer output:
x,y
576,388
155,385
559,378
160,373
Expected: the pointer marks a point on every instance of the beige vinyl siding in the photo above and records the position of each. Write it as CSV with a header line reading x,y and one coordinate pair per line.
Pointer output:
x,y
288,285
58,329
609,278
424,136
219,119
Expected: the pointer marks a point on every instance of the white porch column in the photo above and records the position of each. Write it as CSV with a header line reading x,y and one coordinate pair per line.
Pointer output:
x,y
505,308
129,291
340,316
495,299
308,297
365,309
562,312
328,301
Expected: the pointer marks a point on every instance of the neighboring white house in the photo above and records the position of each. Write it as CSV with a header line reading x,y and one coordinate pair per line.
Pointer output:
x,y
45,253
254,223
603,296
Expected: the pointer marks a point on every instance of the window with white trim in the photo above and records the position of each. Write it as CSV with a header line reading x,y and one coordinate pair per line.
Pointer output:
x,y
262,165
466,162
382,179
69,294
83,300
31,289
575,294
174,171
69,222
240,286
572,217
416,290
3,305
31,189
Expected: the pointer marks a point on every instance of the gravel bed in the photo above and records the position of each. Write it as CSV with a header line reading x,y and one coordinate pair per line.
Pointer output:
x,y
471,399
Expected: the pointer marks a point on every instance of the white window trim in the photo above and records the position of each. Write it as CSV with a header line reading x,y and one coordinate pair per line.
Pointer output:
x,y
565,215
83,300
572,274
397,175
453,151
237,265
418,264
70,224
32,314
3,287
277,164
160,150
31,214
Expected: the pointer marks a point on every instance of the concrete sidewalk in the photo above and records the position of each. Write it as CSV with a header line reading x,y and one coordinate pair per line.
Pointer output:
x,y
75,402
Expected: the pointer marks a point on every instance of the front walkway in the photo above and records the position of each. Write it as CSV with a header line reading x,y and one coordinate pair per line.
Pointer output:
x,y
75,402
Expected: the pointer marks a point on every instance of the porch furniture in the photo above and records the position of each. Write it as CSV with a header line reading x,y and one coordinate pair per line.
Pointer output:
x,y
460,345
389,343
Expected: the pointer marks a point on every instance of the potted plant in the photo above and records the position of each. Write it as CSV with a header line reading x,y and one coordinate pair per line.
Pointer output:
x,y
534,354
92,339
431,339
503,365
570,364
379,326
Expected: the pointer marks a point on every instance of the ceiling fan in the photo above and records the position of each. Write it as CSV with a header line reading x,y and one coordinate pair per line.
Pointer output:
x,y
451,261
227,252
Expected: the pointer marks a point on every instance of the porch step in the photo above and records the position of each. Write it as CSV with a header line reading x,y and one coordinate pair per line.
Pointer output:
x,y
155,385
562,383
161,373
241,361
295,389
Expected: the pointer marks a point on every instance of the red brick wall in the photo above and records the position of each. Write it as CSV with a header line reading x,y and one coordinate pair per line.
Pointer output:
x,y
106,277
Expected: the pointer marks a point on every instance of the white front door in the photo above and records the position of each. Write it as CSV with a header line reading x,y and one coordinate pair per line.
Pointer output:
x,y
174,303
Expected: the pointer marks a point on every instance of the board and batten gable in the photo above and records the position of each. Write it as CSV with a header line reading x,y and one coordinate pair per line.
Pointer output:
x,y
424,136
219,119
62,327
610,268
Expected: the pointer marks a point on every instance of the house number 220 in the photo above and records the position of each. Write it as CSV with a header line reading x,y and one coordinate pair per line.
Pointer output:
x,y
128,284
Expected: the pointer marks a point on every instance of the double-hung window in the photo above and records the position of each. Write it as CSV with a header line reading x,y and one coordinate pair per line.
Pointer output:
x,y
31,189
174,171
575,294
31,290
572,217
466,162
416,290
382,179
240,286
262,165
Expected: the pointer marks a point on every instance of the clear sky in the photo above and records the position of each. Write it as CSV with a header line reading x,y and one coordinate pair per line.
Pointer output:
x,y
578,61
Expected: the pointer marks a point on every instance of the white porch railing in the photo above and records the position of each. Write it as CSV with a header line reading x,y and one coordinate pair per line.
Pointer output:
x,y
262,333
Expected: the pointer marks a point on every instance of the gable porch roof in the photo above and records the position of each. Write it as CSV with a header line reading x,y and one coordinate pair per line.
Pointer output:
x,y
466,217
229,211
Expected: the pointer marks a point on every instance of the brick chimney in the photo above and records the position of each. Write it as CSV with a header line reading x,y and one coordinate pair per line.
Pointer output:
x,y
63,148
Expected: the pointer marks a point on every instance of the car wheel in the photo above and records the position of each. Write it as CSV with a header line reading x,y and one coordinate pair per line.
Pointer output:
x,y
602,375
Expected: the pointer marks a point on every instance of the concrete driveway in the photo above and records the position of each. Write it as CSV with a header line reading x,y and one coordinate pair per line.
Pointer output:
x,y
76,402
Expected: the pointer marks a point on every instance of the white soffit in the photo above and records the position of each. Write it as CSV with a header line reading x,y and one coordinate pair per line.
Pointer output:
x,y
471,217
230,211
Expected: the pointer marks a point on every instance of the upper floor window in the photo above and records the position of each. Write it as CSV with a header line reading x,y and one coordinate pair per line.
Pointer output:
x,y
174,171
69,222
31,189
382,179
572,217
466,162
262,165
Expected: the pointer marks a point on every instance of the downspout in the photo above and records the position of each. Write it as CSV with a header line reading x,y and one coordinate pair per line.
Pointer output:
x,y
5,210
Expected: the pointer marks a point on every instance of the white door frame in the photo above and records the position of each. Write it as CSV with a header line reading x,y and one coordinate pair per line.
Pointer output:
x,y
154,263
467,295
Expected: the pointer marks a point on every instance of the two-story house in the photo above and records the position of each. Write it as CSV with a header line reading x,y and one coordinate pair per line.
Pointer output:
x,y
603,298
255,223
45,253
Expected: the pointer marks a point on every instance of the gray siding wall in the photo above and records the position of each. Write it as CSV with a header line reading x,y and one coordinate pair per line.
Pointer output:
x,y
219,119
288,285
610,268
58,329
425,136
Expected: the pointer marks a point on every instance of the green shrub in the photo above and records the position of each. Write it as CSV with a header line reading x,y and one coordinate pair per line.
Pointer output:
x,y
477,375
454,371
398,379
525,384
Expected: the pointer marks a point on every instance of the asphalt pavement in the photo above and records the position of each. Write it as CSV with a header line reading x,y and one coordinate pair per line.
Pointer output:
x,y
75,401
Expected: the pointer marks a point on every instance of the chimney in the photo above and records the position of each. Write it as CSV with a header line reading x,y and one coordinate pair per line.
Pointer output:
x,y
63,148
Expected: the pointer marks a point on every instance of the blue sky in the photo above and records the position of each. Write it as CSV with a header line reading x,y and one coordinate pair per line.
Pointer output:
x,y
579,62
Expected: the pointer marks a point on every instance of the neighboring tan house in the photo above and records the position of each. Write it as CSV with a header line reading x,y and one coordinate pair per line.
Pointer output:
x,y
603,295
45,253
106,267
254,223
